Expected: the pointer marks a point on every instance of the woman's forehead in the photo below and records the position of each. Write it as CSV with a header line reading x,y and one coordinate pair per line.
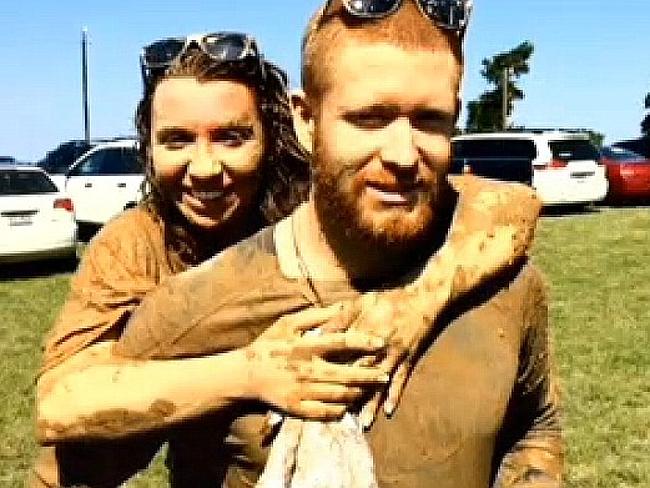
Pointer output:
x,y
186,98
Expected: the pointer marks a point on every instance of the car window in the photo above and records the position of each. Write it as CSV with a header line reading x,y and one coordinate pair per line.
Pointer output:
x,y
501,159
14,182
573,150
495,148
110,161
622,155
128,162
59,160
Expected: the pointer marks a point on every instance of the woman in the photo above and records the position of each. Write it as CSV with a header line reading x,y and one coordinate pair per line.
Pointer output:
x,y
221,161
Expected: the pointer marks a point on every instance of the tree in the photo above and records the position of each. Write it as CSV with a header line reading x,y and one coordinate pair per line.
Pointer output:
x,y
485,114
596,138
645,124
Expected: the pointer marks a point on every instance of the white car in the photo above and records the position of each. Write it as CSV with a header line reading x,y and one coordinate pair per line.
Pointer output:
x,y
105,181
36,220
561,165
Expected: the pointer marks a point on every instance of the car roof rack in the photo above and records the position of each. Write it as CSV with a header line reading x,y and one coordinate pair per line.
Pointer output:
x,y
541,130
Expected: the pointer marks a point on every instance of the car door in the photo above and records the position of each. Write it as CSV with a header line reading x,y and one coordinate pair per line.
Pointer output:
x,y
123,177
81,185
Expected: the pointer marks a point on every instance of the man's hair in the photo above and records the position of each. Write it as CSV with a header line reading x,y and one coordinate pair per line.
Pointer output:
x,y
285,173
329,29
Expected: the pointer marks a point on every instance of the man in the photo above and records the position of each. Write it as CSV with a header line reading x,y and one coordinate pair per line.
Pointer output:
x,y
380,104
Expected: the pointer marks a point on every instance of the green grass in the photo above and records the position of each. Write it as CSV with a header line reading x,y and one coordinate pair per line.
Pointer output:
x,y
27,308
597,268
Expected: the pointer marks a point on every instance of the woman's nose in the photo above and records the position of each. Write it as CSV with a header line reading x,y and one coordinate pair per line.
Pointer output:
x,y
205,163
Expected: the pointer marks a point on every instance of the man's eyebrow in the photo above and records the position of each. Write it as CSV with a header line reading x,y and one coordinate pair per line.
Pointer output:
x,y
391,110
376,109
433,113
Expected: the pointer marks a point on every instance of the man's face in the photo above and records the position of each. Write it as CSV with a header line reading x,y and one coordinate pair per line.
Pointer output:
x,y
207,148
382,139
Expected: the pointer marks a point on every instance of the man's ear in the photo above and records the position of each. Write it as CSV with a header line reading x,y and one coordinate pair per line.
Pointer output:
x,y
303,119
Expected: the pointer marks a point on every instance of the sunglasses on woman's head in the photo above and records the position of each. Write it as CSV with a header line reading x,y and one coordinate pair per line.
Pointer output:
x,y
221,46
451,15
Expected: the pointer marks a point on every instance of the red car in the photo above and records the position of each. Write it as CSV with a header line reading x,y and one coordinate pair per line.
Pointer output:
x,y
628,174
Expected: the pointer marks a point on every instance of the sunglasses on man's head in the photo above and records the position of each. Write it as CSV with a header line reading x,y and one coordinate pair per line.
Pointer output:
x,y
221,46
451,15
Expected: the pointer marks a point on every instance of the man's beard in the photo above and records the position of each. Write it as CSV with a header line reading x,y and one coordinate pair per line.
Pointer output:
x,y
391,232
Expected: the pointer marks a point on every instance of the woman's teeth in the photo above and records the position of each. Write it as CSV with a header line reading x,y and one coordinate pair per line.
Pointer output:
x,y
207,195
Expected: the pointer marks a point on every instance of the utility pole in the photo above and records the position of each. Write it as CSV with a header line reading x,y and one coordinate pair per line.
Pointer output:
x,y
84,83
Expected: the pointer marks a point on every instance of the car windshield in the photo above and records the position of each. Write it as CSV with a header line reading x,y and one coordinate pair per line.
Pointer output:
x,y
573,150
621,155
494,149
59,160
16,182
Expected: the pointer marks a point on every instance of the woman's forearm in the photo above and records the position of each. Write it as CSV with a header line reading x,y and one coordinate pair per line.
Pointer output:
x,y
97,395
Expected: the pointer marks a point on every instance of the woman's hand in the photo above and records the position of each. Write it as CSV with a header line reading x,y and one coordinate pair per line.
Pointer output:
x,y
295,366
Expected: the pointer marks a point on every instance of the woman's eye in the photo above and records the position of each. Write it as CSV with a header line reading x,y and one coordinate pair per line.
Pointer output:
x,y
175,139
175,144
233,137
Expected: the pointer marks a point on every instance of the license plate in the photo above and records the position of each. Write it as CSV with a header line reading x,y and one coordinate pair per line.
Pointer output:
x,y
18,220
581,175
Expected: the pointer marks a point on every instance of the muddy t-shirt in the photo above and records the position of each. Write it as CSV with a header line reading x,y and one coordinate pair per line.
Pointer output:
x,y
479,406
126,260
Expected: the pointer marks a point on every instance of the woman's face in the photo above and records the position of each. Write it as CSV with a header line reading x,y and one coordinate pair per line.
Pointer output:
x,y
207,143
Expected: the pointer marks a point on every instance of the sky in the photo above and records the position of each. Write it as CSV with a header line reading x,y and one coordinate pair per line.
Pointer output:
x,y
590,68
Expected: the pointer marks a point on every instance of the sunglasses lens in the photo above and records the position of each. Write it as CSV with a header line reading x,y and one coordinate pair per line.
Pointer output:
x,y
226,47
370,8
162,52
449,14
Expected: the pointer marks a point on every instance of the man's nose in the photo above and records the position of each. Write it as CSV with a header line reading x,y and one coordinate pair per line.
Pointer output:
x,y
399,148
205,163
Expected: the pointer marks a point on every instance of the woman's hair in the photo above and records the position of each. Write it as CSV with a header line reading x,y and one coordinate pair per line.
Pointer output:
x,y
284,181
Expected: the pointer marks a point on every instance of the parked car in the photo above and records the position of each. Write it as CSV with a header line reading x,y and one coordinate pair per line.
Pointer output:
x,y
640,146
105,181
563,166
57,161
36,219
628,174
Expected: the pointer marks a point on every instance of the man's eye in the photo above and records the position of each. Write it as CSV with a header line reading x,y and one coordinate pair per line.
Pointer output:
x,y
369,120
432,122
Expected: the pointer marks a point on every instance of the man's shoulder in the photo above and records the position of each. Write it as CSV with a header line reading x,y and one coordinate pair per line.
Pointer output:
x,y
531,280
511,298
254,256
524,296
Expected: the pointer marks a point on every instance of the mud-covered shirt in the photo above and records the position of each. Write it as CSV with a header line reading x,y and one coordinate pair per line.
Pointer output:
x,y
479,408
126,260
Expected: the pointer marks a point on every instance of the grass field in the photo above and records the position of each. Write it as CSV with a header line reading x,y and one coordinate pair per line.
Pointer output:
x,y
597,268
